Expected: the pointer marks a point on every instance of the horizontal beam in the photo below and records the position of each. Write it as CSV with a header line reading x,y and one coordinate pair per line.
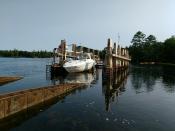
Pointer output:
x,y
121,57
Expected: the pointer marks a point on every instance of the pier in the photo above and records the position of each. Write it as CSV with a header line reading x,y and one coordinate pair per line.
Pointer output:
x,y
116,58
64,52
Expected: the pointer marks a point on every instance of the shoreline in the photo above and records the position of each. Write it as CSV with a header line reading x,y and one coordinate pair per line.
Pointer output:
x,y
7,79
157,63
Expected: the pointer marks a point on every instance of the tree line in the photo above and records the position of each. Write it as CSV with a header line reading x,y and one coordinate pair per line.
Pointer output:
x,y
28,54
148,49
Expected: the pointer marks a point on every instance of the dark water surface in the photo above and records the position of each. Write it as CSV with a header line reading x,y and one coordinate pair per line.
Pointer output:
x,y
142,98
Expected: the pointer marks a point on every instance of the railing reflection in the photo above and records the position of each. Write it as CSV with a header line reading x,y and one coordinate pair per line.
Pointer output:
x,y
112,87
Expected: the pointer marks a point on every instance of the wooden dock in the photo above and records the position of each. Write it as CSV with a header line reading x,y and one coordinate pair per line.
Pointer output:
x,y
116,58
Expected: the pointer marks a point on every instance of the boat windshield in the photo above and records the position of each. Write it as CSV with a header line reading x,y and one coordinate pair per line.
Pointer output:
x,y
84,56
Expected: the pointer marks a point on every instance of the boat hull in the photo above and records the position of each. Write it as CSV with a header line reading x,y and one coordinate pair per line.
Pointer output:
x,y
78,65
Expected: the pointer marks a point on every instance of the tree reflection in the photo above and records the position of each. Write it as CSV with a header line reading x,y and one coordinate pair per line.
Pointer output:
x,y
145,77
169,78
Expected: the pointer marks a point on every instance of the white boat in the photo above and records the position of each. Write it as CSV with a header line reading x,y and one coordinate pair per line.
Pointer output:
x,y
84,63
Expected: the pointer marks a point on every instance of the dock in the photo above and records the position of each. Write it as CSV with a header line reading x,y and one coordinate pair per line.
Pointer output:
x,y
64,52
116,57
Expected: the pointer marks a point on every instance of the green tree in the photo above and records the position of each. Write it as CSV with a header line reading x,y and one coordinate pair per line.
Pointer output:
x,y
139,39
136,50
148,48
169,50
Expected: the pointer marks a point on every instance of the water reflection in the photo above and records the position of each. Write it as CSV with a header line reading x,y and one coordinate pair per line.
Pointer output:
x,y
145,77
112,87
86,78
168,78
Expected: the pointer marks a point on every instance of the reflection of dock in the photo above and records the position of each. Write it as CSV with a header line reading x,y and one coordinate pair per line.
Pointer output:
x,y
13,103
114,86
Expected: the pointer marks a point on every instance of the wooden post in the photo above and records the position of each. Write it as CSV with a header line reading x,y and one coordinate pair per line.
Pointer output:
x,y
63,51
115,49
114,58
54,50
118,50
108,59
118,53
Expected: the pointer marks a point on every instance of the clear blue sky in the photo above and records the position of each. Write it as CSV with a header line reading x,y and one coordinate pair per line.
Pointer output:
x,y
41,24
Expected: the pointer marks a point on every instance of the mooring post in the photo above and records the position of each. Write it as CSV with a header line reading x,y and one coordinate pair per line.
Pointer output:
x,y
122,61
108,58
115,58
64,51
118,53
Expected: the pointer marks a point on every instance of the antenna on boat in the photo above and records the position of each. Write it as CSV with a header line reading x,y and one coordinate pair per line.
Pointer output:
x,y
118,38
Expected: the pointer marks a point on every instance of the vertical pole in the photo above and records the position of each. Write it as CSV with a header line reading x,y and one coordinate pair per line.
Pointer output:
x,y
54,55
115,48
64,55
108,59
115,59
118,53
63,51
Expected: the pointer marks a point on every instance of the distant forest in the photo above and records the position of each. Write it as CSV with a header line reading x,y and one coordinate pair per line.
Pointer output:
x,y
148,49
143,49
28,54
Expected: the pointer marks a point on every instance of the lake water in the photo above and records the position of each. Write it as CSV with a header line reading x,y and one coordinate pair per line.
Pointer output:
x,y
141,98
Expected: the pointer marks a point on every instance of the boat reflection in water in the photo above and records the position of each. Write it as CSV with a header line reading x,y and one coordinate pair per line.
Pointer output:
x,y
112,87
85,78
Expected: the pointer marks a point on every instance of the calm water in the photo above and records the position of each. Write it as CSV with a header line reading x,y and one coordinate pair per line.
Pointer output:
x,y
142,98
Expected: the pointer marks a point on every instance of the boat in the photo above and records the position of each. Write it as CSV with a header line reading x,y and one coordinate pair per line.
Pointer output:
x,y
83,63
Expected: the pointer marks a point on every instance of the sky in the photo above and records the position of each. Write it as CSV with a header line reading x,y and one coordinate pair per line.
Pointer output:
x,y
42,24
